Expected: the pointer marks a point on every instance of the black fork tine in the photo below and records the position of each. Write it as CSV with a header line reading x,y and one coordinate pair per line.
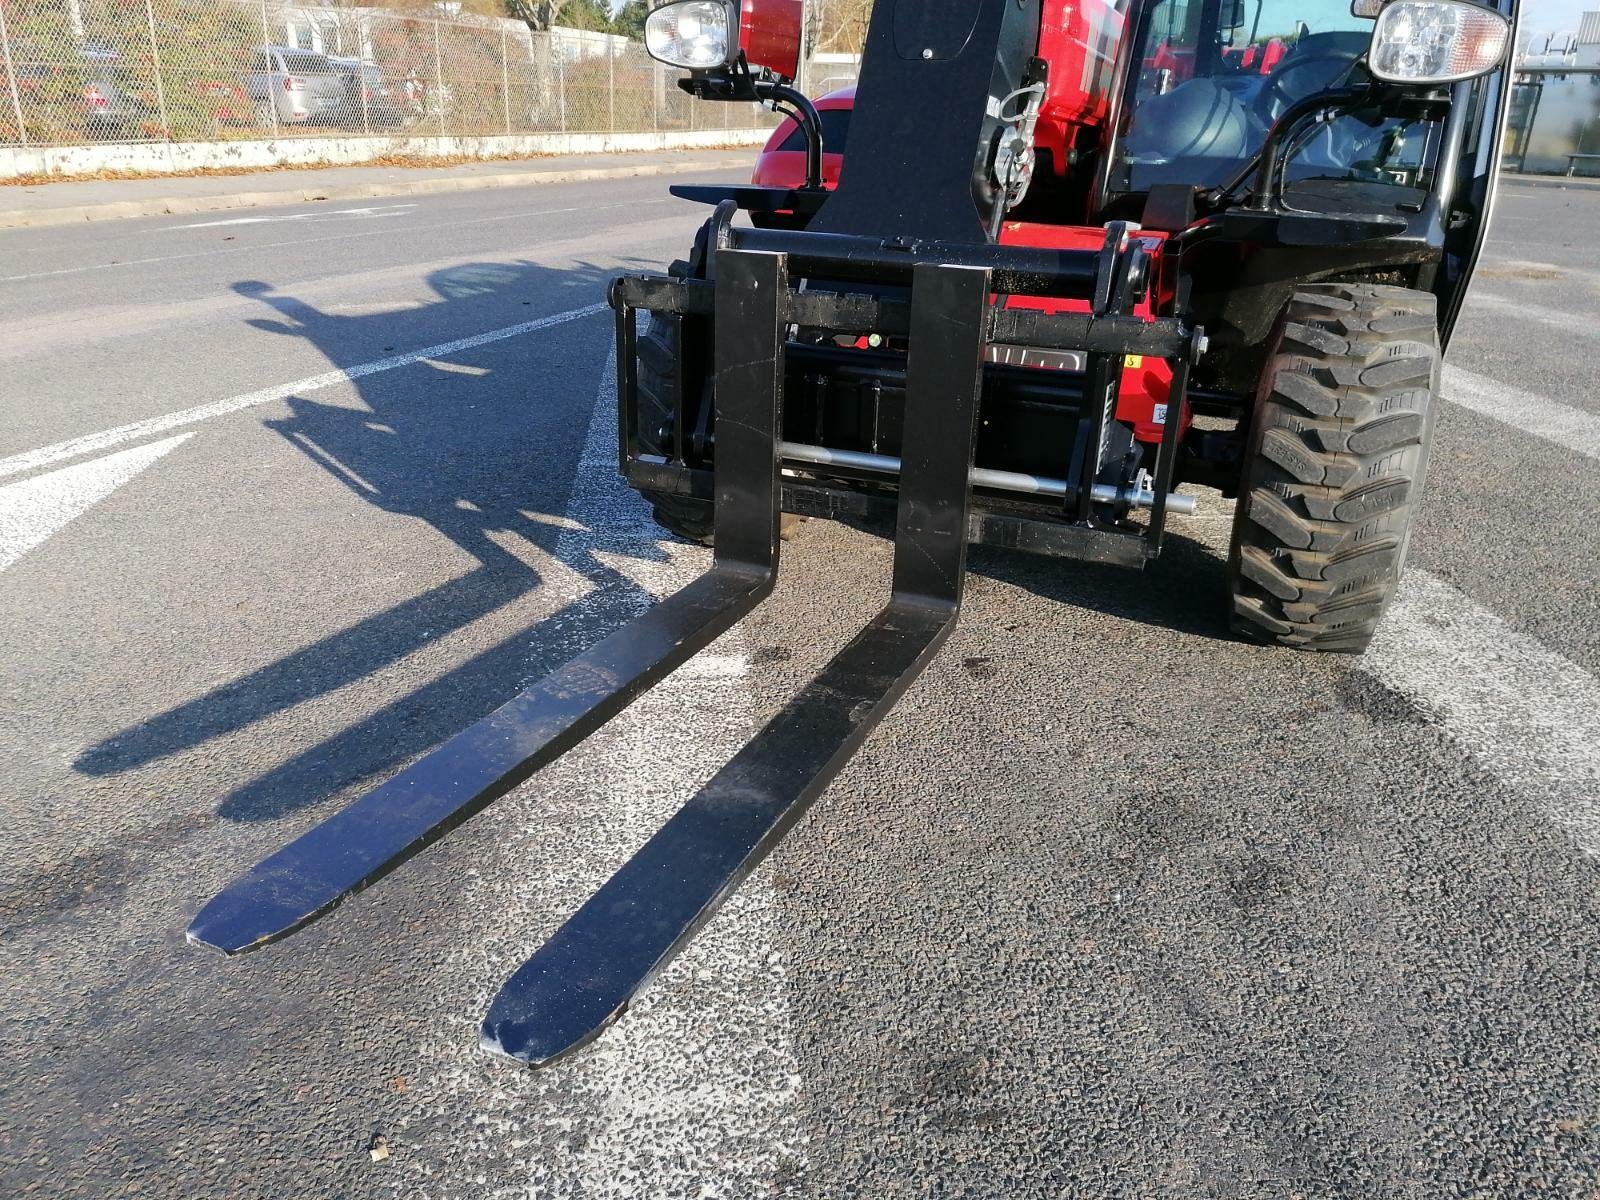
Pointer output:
x,y
585,976
359,845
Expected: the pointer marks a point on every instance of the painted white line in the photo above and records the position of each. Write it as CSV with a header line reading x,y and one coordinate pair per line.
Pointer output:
x,y
382,210
333,237
93,442
1549,419
35,509
1523,711
694,1092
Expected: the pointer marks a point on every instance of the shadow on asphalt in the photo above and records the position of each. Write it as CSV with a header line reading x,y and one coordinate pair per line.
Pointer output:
x,y
408,454
1185,590
467,479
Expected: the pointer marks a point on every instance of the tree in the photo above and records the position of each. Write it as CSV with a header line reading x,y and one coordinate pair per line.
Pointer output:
x,y
575,14
628,20
840,26
585,14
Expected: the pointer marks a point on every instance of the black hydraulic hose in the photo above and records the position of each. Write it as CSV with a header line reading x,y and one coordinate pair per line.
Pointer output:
x,y
807,117
1263,164
1287,129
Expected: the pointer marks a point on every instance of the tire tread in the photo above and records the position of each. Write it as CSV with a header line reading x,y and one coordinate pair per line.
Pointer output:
x,y
1336,463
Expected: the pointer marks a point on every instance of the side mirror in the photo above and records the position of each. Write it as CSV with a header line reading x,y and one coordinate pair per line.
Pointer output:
x,y
1436,41
710,35
1232,15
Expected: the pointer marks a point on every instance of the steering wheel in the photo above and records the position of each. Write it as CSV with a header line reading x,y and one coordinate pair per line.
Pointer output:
x,y
1276,97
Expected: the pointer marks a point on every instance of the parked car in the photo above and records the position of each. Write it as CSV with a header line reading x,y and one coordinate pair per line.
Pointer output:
x,y
113,104
372,100
93,94
300,86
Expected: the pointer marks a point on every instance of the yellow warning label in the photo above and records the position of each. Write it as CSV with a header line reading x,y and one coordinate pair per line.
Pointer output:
x,y
1133,361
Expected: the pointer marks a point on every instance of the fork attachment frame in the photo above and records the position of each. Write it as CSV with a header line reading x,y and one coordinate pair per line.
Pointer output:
x,y
584,977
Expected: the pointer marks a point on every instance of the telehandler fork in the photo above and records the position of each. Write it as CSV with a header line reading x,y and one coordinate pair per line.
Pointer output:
x,y
995,330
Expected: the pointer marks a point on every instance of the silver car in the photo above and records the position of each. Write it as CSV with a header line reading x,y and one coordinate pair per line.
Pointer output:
x,y
300,87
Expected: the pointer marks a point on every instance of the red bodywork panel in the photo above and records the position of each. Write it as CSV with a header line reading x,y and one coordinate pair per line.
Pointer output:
x,y
1272,56
1079,41
770,33
1255,58
1146,382
1180,63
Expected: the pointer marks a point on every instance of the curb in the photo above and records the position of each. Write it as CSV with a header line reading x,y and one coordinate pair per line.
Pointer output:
x,y
185,205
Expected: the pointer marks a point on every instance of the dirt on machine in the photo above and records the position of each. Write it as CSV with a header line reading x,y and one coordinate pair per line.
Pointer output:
x,y
1045,267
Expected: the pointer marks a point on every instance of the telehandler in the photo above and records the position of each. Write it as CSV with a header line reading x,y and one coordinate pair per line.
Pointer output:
x,y
1078,255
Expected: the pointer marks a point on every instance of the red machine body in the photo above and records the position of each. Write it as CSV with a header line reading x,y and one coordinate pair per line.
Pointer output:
x,y
771,33
1079,40
1146,382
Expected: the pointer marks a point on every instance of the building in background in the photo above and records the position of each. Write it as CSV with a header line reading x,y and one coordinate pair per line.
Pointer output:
x,y
1554,126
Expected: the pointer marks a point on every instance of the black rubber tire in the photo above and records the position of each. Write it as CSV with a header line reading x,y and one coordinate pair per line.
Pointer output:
x,y
659,363
1337,457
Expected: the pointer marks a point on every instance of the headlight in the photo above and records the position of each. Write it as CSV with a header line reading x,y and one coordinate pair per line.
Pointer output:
x,y
1436,41
698,35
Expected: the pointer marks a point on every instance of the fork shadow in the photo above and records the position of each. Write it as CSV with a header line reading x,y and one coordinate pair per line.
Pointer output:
x,y
465,479
410,456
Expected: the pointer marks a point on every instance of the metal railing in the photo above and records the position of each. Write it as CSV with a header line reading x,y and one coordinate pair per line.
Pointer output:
x,y
81,71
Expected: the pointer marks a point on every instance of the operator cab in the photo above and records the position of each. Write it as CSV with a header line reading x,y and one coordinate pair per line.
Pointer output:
x,y
1210,79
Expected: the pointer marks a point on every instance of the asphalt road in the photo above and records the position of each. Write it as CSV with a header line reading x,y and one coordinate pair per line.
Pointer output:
x,y
1109,906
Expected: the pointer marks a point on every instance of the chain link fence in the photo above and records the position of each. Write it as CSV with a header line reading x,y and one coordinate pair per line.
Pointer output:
x,y
74,72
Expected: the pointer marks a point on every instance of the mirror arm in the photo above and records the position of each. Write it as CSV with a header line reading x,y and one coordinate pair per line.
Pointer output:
x,y
806,116
736,82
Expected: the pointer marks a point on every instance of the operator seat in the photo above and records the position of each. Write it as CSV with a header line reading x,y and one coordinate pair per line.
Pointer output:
x,y
1197,134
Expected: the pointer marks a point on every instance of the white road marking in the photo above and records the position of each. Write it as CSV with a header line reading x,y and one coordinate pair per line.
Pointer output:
x,y
381,210
454,368
93,442
693,1093
35,509
1523,711
334,237
1549,419
1526,713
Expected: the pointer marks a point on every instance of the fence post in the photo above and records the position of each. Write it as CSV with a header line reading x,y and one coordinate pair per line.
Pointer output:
x,y
272,95
438,78
611,94
155,58
505,79
561,87
11,77
361,74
